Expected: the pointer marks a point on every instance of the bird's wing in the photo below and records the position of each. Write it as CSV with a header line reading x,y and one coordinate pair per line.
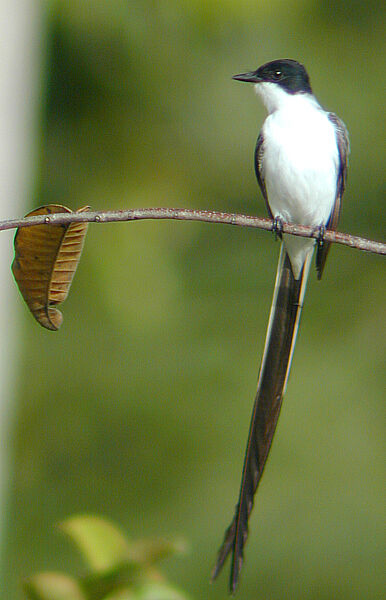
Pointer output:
x,y
259,155
343,143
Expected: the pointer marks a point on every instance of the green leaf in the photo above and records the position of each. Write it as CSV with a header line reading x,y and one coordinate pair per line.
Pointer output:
x,y
101,543
98,585
122,594
149,591
160,591
150,552
53,586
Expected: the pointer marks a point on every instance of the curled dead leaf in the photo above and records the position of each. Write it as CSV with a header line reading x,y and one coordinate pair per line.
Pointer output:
x,y
46,258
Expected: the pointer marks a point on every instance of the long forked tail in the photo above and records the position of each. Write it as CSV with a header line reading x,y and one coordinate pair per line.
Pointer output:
x,y
279,346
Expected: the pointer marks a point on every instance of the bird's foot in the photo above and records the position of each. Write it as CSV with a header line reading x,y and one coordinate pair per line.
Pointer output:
x,y
321,234
277,227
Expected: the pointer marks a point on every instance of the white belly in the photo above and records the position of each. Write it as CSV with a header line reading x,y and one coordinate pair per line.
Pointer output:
x,y
300,166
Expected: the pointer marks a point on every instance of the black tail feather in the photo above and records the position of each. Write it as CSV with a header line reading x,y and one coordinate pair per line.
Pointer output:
x,y
276,362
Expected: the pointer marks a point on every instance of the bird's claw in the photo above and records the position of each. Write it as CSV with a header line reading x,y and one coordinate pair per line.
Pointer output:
x,y
277,227
321,234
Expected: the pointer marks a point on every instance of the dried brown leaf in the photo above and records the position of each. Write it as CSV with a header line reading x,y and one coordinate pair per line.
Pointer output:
x,y
46,258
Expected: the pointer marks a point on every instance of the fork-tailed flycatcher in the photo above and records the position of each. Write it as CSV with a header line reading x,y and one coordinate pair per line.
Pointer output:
x,y
301,162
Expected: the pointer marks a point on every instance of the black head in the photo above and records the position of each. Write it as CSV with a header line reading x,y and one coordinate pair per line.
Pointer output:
x,y
287,73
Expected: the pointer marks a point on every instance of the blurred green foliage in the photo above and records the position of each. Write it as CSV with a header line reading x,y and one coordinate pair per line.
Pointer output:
x,y
118,568
139,407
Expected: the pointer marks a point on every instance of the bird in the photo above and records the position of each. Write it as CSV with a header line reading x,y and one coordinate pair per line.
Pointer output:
x,y
301,159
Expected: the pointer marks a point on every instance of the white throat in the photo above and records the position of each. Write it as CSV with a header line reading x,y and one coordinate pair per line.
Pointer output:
x,y
274,97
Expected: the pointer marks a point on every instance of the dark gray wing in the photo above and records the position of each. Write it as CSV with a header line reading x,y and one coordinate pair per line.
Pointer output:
x,y
259,155
343,143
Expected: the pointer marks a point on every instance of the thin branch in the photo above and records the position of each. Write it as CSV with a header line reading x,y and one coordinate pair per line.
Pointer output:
x,y
184,214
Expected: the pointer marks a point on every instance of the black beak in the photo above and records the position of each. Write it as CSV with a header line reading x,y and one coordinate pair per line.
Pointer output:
x,y
252,77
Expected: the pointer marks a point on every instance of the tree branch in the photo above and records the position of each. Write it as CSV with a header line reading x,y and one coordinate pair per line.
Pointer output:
x,y
184,214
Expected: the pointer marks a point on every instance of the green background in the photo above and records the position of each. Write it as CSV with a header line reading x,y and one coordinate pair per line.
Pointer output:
x,y
138,408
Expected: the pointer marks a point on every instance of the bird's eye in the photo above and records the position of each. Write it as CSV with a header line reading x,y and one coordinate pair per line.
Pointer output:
x,y
277,75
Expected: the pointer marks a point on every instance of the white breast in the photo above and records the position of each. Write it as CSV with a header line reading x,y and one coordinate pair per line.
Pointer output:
x,y
300,167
